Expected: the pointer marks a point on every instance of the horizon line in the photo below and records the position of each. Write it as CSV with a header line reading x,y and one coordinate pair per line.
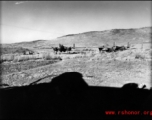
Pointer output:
x,y
77,34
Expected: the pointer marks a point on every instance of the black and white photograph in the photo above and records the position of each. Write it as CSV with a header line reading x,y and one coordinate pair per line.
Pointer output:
x,y
75,59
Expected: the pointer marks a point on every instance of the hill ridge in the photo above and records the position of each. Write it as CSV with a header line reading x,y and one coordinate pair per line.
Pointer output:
x,y
95,38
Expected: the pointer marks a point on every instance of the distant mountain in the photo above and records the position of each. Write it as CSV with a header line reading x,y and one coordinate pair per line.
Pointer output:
x,y
97,38
29,44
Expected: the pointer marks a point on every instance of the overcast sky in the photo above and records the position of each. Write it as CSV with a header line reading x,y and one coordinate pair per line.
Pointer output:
x,y
32,20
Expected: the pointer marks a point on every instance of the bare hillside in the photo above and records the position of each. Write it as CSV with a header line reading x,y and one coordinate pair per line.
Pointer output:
x,y
94,38
97,38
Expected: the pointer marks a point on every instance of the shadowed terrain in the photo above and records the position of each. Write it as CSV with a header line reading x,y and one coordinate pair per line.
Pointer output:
x,y
68,96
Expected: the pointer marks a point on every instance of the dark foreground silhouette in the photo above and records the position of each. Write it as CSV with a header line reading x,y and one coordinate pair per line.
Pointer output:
x,y
68,96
